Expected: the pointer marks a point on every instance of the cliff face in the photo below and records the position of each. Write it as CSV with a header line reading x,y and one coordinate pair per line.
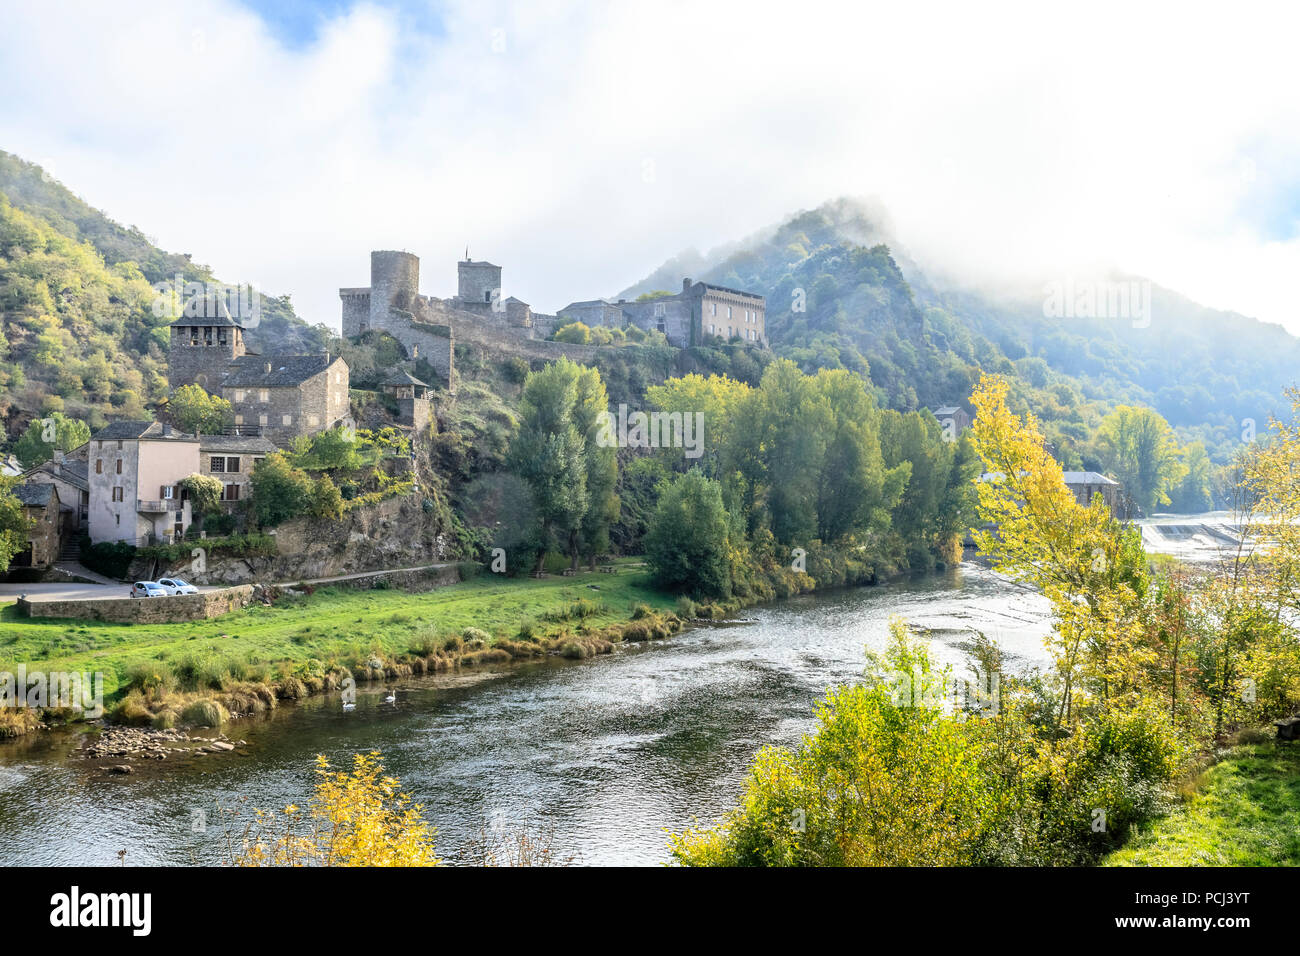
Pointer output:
x,y
396,533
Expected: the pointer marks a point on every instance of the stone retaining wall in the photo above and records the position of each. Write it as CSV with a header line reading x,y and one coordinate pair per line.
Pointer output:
x,y
127,610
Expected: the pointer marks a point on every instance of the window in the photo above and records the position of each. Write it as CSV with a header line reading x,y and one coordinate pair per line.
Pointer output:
x,y
728,311
659,309
117,493
218,464
119,466
232,465
239,419
119,444
286,420
261,419
313,420
231,493
99,466
263,395
256,462
713,308
119,519
239,395
167,492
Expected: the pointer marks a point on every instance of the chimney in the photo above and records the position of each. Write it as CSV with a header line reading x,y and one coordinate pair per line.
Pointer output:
x,y
686,285
167,431
58,456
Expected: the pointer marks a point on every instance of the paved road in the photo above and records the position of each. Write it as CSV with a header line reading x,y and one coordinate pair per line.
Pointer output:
x,y
68,592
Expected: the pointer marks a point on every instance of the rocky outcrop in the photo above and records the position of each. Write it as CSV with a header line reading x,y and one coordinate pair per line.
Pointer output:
x,y
394,533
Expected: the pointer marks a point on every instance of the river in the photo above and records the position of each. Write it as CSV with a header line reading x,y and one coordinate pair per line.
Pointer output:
x,y
601,755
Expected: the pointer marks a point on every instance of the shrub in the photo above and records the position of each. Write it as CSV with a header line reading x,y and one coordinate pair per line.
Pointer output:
x,y
205,713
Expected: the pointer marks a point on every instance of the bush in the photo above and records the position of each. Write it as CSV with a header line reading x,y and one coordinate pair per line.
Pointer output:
x,y
205,713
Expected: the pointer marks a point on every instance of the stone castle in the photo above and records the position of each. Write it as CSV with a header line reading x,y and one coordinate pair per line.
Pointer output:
x,y
479,314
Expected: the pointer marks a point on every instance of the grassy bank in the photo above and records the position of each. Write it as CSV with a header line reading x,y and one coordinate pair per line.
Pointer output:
x,y
249,658
1242,811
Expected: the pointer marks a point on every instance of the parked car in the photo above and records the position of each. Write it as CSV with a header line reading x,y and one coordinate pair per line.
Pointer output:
x,y
148,589
177,586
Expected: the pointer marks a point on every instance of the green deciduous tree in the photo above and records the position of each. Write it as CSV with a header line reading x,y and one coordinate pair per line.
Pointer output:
x,y
44,435
688,539
197,412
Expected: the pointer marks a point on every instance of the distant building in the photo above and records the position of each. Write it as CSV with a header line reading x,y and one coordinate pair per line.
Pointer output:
x,y
1084,484
284,396
699,312
412,397
953,418
230,459
67,473
41,507
134,474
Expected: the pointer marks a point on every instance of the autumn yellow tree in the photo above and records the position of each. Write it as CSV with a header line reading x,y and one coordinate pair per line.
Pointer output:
x,y
1081,558
357,818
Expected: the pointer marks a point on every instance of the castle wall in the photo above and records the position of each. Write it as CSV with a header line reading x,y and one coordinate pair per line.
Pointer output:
x,y
356,311
671,316
432,342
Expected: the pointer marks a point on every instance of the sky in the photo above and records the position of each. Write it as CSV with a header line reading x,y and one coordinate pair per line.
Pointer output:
x,y
579,145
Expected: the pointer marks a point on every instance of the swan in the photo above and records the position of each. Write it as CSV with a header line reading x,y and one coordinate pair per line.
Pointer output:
x,y
391,698
349,705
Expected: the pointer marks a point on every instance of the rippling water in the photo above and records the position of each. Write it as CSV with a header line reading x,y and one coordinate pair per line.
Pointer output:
x,y
604,754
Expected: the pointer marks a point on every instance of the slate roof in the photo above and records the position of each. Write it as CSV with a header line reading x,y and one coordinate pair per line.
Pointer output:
x,y
1088,478
34,495
152,431
287,371
401,377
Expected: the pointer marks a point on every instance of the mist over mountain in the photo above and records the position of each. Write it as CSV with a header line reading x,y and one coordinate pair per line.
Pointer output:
x,y
923,336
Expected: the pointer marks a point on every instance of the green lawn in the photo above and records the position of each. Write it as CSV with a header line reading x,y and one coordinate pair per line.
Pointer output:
x,y
332,623
1245,812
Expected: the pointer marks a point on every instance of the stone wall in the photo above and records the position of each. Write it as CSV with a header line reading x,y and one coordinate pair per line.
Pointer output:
x,y
127,610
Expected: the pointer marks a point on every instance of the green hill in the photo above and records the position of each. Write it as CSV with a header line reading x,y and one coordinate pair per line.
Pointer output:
x,y
78,329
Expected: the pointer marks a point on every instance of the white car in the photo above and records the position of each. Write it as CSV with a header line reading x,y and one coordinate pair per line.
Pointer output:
x,y
177,586
148,589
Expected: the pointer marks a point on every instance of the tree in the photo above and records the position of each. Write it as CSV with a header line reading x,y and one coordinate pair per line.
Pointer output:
x,y
326,500
280,491
688,540
204,492
14,526
195,411
590,407
549,454
1192,493
44,435
1138,447
576,333
1083,560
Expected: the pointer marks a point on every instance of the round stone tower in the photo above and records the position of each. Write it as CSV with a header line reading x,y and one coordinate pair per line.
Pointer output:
x,y
394,282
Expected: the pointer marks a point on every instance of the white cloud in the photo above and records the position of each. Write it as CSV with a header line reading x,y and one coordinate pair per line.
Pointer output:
x,y
579,144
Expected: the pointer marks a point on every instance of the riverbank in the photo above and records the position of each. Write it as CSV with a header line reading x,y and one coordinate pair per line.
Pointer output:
x,y
1244,810
310,641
